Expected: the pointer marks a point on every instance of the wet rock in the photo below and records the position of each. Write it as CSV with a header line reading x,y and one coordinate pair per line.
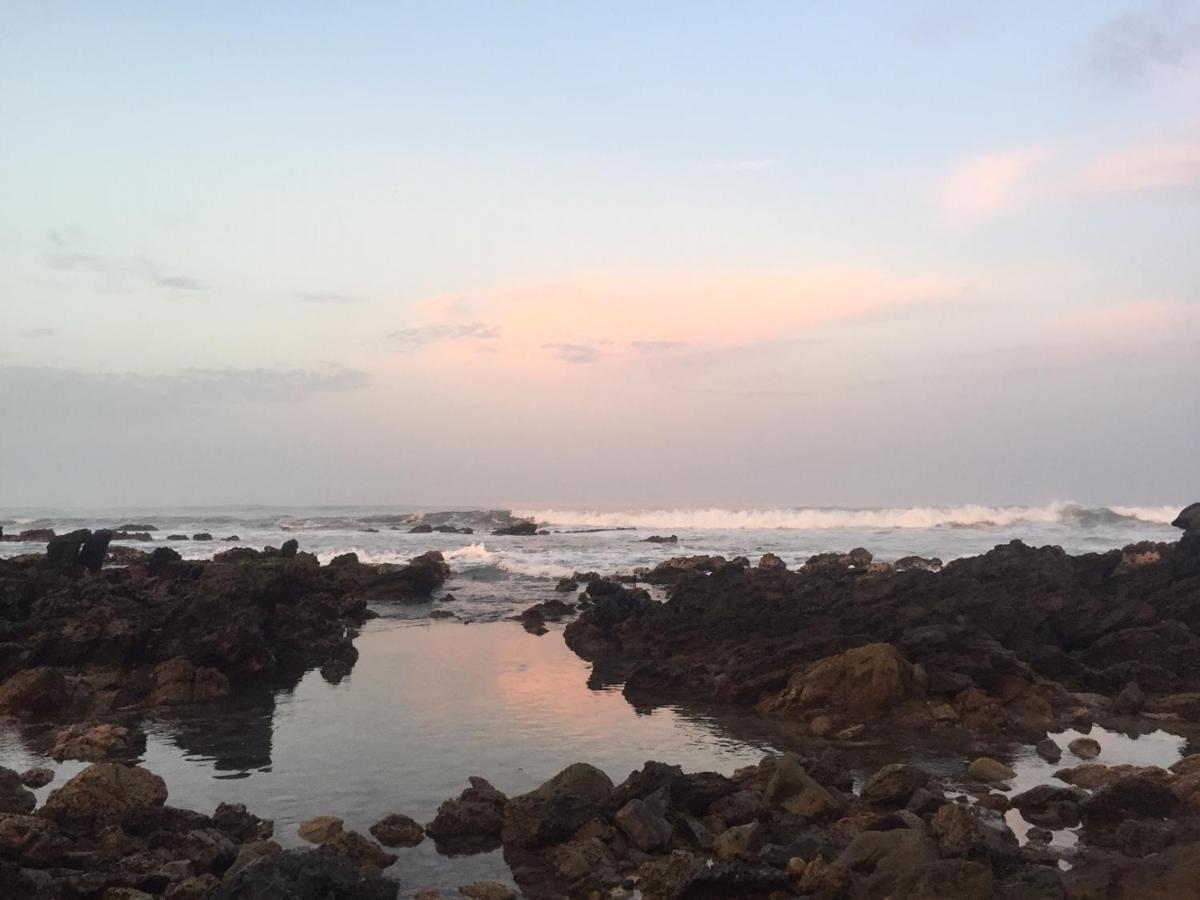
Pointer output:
x,y
1048,750
989,770
1097,775
14,796
250,853
37,690
423,528
1085,747
363,851
305,875
398,831
883,857
488,890
1130,701
105,793
520,528
566,585
31,840
643,822
320,829
947,879
334,670
477,816
799,793
745,806
1142,837
177,537
179,681
1130,796
860,682
1188,765
660,539
289,548
37,777
919,563
893,785
1050,806
769,561
202,536
738,841
242,826
553,811
92,743
1188,518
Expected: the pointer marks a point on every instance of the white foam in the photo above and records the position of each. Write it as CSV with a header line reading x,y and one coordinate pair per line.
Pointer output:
x,y
1157,515
714,518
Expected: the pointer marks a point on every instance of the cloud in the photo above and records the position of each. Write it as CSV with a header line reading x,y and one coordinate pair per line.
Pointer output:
x,y
38,333
187,387
65,255
408,340
985,186
1162,35
657,346
328,299
1160,165
1138,320
579,354
627,317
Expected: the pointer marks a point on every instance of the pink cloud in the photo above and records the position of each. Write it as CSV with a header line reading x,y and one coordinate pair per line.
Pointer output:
x,y
1135,321
567,319
1165,164
987,185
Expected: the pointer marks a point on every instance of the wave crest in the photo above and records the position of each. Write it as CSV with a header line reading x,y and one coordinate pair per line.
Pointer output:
x,y
814,518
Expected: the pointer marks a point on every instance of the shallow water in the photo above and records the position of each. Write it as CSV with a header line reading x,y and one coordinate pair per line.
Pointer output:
x,y
1158,748
425,707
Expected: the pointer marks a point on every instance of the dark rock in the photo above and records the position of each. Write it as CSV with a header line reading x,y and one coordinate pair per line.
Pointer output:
x,y
894,785
1049,750
659,539
1132,796
304,875
202,536
37,777
289,548
14,796
1050,806
566,585
520,528
1188,518
398,831
477,815
1130,701
177,537
421,529
240,825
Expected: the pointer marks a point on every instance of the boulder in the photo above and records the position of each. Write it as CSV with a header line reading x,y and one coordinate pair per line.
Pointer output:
x,y
1133,796
304,875
989,770
1049,750
488,890
1188,518
14,796
320,829
520,528
1085,747
947,879
242,826
552,812
33,691
860,683
398,831
92,743
363,851
642,821
1050,806
1130,701
476,816
894,785
38,776
105,793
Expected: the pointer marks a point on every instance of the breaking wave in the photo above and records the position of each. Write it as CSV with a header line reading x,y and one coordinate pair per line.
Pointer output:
x,y
813,518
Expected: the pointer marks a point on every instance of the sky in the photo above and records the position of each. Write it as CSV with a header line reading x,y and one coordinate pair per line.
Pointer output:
x,y
610,253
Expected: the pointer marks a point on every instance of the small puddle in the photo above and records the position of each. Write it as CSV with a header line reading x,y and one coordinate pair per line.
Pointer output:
x,y
1157,748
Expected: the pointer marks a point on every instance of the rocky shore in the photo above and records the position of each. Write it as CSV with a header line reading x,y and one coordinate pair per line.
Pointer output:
x,y
80,640
857,661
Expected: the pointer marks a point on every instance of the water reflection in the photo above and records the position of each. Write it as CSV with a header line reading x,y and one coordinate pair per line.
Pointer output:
x,y
426,707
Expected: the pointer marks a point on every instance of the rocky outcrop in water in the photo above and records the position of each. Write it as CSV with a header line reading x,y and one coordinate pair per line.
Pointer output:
x,y
1010,641
78,640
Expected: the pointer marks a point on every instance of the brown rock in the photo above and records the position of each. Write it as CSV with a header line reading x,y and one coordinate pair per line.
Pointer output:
x,y
1085,747
320,829
398,831
488,890
14,797
105,793
862,682
37,777
92,743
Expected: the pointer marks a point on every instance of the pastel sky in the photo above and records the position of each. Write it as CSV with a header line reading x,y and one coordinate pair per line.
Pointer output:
x,y
599,252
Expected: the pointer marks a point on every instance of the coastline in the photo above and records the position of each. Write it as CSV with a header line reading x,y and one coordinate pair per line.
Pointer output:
x,y
831,758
